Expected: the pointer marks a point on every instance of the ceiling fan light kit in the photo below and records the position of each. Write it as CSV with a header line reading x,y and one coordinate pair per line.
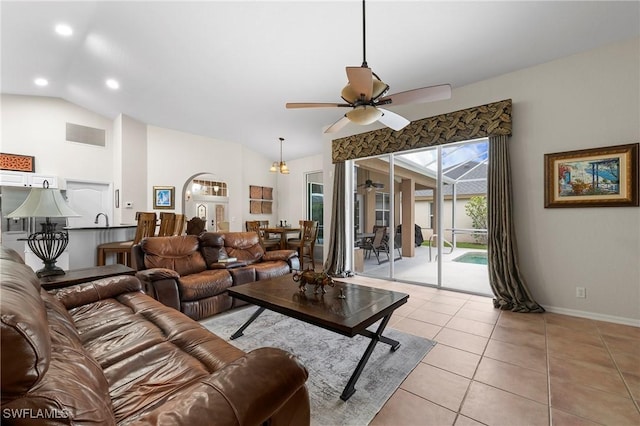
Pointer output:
x,y
365,92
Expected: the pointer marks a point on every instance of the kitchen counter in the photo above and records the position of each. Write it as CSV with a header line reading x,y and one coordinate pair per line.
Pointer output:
x,y
94,228
84,242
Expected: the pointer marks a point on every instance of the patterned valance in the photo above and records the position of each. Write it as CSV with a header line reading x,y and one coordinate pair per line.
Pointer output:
x,y
472,123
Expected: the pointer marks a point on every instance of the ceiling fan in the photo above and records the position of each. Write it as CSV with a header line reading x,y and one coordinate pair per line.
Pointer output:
x,y
365,93
370,185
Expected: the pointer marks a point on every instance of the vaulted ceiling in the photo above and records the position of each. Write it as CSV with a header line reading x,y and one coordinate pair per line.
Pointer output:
x,y
226,69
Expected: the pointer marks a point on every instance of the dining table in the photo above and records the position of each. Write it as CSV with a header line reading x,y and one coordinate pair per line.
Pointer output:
x,y
283,231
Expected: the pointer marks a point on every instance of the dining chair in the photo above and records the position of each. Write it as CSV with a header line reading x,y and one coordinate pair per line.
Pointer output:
x,y
146,227
266,243
167,224
179,224
306,243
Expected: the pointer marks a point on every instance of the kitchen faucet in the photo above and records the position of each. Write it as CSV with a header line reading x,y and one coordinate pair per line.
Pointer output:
x,y
106,218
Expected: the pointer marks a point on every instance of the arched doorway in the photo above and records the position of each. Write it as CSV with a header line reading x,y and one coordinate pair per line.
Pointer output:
x,y
206,196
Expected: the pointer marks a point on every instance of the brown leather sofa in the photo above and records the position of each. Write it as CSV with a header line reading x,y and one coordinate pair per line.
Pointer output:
x,y
188,273
105,353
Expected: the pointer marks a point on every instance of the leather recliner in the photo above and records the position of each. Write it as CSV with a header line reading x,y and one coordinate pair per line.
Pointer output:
x,y
103,352
188,273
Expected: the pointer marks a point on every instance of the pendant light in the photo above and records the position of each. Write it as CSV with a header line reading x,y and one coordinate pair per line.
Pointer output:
x,y
280,166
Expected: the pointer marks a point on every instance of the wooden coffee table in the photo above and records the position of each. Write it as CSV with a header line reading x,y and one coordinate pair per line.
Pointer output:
x,y
361,307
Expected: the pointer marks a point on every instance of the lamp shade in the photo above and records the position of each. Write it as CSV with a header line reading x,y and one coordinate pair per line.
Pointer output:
x,y
43,202
364,114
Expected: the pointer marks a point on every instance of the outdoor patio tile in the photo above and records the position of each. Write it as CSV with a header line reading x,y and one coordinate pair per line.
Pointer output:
x,y
593,404
493,406
470,326
461,340
524,356
430,317
519,337
436,385
560,418
404,408
454,360
486,317
515,379
417,328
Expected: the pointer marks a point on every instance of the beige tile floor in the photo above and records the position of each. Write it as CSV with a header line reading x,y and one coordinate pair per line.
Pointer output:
x,y
499,368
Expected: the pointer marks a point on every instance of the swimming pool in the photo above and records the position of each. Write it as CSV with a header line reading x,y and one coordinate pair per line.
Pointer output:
x,y
475,257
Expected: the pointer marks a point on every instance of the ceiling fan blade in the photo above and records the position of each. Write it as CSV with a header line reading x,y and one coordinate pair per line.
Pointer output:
x,y
393,120
291,105
425,94
338,125
361,81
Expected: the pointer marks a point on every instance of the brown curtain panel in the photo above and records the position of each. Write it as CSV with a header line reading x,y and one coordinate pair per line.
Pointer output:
x,y
507,283
336,259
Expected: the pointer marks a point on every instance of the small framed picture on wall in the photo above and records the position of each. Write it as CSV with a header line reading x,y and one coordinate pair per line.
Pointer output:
x,y
164,197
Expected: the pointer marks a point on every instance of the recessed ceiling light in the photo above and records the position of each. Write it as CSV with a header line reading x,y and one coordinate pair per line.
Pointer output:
x,y
41,82
64,30
112,84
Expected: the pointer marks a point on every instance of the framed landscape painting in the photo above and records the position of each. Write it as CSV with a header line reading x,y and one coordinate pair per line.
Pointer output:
x,y
597,177
163,197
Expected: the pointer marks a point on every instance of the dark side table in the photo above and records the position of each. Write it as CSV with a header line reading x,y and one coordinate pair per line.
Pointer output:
x,y
77,276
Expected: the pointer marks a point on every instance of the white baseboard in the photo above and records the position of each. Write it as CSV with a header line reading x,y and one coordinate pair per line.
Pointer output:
x,y
593,316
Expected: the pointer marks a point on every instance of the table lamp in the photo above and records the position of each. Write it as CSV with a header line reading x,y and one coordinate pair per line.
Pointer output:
x,y
49,243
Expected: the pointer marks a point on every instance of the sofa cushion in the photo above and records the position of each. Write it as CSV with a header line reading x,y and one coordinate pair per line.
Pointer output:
x,y
206,283
212,247
244,246
272,269
180,253
25,337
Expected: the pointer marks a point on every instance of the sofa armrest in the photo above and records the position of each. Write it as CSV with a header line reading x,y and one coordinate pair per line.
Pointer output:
x,y
92,291
248,391
162,285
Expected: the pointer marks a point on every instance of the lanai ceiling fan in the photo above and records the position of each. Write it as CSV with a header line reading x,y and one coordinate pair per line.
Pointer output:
x,y
370,185
365,93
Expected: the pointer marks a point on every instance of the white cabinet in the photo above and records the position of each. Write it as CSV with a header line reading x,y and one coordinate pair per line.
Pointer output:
x,y
8,178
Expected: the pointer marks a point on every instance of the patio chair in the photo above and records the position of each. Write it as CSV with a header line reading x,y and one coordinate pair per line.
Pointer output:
x,y
377,244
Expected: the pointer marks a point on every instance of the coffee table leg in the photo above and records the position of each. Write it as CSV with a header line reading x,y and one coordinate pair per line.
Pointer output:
x,y
255,315
375,337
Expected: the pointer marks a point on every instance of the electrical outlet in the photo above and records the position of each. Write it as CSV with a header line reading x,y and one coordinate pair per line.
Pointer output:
x,y
128,205
581,292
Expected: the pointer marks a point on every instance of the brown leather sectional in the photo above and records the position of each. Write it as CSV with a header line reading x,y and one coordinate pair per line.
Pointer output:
x,y
186,272
105,353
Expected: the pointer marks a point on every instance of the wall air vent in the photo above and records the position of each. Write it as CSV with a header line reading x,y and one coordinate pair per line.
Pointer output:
x,y
84,134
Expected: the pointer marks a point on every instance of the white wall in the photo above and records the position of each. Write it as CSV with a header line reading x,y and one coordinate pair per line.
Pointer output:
x,y
292,191
132,161
36,126
583,101
173,157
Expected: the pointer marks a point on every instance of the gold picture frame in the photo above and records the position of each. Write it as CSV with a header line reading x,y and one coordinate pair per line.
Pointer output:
x,y
164,197
597,177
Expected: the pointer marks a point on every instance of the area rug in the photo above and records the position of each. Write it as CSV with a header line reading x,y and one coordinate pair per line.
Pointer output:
x,y
330,359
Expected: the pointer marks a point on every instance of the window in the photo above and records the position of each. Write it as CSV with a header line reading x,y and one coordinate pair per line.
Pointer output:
x,y
382,209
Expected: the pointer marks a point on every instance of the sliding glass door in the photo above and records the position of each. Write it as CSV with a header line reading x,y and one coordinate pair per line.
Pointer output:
x,y
432,203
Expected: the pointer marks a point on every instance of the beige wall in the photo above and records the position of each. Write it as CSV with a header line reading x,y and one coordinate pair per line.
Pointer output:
x,y
583,101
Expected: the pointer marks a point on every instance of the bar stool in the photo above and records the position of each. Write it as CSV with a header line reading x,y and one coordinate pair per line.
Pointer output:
x,y
122,249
